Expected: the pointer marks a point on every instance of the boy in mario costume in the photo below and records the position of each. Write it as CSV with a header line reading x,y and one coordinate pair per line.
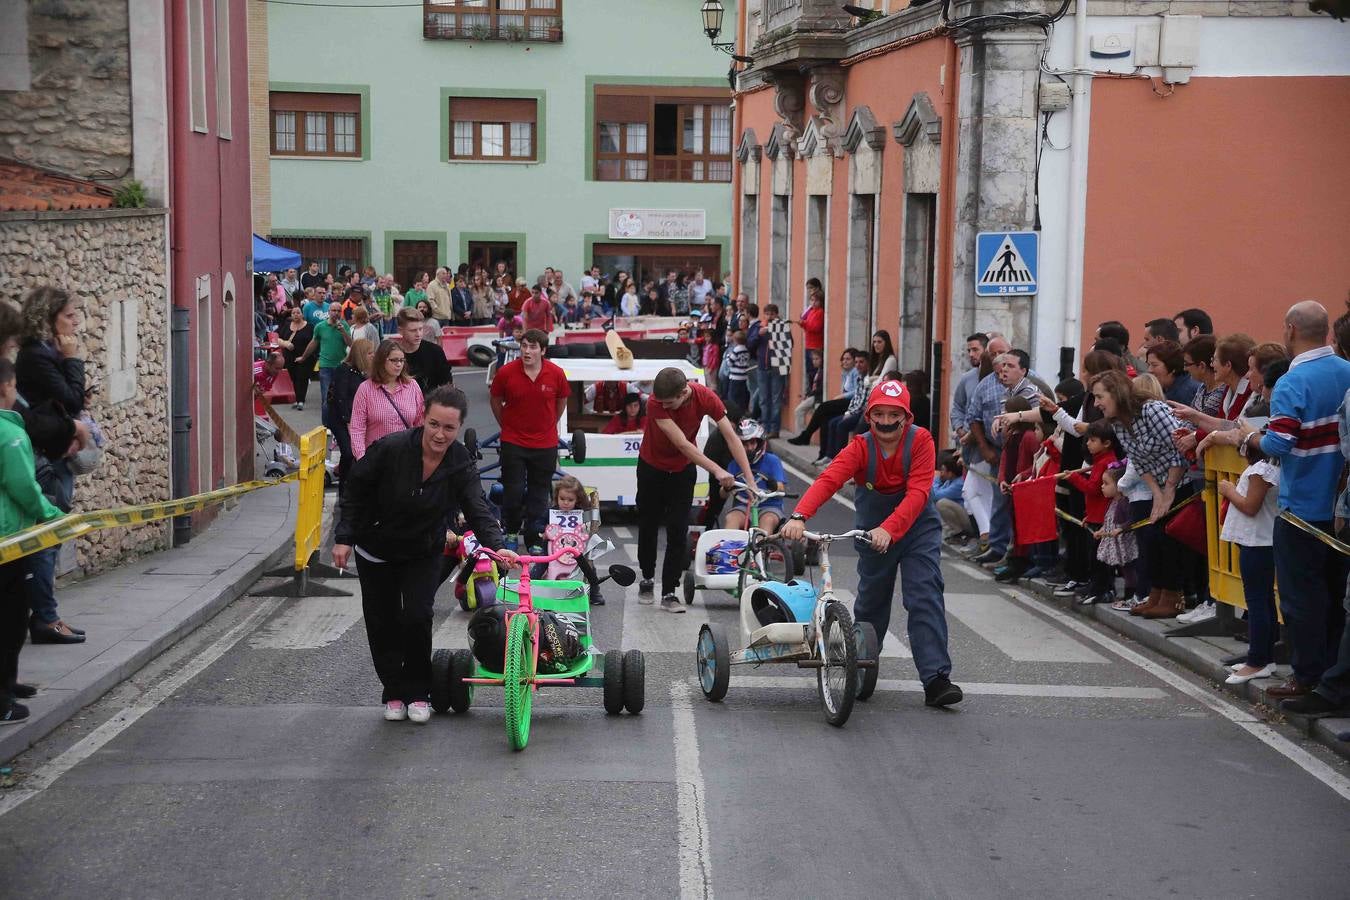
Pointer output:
x,y
892,467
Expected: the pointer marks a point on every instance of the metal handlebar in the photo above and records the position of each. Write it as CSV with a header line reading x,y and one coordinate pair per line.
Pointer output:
x,y
740,487
827,538
528,560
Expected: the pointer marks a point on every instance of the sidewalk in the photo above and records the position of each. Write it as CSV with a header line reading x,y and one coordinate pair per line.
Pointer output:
x,y
1202,655
135,612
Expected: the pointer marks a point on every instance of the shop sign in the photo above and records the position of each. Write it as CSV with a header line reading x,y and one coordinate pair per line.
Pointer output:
x,y
658,224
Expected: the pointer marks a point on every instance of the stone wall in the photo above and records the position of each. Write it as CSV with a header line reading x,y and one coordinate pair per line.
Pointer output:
x,y
113,262
77,116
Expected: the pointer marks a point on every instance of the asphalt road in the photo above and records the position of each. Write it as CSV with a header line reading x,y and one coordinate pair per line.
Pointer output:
x,y
257,764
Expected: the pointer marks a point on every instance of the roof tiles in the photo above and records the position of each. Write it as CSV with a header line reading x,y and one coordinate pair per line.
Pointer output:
x,y
30,189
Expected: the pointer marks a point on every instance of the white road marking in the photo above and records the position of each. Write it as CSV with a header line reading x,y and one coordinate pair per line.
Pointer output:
x,y
1243,719
623,531
1022,636
47,774
453,632
811,478
895,646
309,624
695,847
989,689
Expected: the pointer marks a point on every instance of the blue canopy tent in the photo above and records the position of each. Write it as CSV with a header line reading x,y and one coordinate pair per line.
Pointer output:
x,y
268,257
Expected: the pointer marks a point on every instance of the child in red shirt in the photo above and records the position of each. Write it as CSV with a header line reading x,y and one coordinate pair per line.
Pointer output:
x,y
1102,446
1020,443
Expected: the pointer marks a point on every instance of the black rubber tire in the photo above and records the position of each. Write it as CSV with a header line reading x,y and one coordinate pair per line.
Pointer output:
x,y
778,563
634,681
578,447
479,356
687,585
866,640
441,674
613,682
839,621
714,683
461,667
470,439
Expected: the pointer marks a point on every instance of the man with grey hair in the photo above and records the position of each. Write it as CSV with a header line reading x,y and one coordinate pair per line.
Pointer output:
x,y
1302,435
438,295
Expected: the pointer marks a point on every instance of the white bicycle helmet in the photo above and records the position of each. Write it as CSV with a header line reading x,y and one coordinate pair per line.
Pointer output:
x,y
752,436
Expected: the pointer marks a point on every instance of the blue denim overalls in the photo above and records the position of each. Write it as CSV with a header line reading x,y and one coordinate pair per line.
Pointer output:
x,y
916,554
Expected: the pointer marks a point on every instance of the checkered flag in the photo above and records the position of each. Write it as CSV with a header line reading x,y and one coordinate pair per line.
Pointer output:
x,y
780,346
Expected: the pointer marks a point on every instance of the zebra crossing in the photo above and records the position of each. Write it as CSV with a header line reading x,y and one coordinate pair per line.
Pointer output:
x,y
1016,632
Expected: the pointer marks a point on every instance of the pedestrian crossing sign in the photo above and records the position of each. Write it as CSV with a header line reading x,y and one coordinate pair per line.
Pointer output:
x,y
1006,263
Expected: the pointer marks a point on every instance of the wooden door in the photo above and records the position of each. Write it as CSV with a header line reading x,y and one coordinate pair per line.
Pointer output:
x,y
411,258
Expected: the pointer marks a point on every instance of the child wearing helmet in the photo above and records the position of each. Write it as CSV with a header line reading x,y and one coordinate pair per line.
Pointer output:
x,y
891,466
769,476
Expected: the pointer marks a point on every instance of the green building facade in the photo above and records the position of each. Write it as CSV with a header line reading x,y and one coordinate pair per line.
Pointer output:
x,y
539,132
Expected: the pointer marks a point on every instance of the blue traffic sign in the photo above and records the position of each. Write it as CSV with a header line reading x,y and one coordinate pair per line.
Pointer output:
x,y
1006,263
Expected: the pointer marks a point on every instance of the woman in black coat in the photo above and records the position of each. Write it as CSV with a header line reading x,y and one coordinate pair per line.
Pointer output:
x,y
293,337
50,379
394,515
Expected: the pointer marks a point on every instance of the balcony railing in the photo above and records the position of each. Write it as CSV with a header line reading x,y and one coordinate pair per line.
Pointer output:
x,y
454,24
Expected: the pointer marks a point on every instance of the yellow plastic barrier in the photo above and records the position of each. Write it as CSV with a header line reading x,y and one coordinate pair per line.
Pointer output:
x,y
309,514
1225,579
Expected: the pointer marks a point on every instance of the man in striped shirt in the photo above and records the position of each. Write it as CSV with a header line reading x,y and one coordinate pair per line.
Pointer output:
x,y
1303,435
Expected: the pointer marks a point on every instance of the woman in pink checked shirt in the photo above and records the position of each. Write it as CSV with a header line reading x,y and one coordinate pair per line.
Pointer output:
x,y
387,402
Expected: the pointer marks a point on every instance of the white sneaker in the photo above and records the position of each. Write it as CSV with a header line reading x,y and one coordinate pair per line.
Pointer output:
x,y
395,711
1202,613
419,711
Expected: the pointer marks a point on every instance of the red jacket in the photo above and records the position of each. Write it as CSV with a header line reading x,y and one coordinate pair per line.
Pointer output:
x,y
813,329
851,465
1091,486
1017,455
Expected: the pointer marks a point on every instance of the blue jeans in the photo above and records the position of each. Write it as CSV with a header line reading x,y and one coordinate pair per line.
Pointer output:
x,y
756,404
41,585
1257,565
1335,683
325,379
1312,584
771,384
1000,524
916,557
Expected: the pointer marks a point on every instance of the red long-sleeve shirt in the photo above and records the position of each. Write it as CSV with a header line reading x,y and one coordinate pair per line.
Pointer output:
x,y
1091,486
813,328
851,465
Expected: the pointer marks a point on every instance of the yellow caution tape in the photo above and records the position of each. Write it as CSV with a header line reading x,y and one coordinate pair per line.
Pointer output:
x,y
58,531
1339,546
1142,522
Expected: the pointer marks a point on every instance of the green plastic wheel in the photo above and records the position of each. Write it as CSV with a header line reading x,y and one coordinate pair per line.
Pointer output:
x,y
518,679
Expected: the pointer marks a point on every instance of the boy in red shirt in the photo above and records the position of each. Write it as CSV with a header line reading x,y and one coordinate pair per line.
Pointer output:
x,y
891,466
666,474
528,396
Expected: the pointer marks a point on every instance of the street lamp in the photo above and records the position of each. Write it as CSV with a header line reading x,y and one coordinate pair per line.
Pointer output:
x,y
713,12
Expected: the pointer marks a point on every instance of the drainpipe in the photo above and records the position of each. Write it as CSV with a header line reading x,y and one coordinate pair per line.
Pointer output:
x,y
946,216
1075,235
181,405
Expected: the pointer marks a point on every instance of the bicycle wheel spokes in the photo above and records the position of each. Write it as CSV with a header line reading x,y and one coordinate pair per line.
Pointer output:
x,y
518,681
837,679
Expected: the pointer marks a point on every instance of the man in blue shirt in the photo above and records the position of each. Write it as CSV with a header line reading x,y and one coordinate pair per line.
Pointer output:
x,y
1303,435
1009,379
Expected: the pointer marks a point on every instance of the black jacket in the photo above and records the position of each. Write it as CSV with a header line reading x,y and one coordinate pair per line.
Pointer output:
x,y
428,366
44,374
393,515
346,382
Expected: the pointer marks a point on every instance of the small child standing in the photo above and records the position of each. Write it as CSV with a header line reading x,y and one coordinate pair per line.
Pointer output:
x,y
570,525
738,371
1102,446
1117,546
1250,524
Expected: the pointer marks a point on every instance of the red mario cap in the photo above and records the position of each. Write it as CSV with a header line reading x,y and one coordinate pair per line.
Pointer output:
x,y
890,393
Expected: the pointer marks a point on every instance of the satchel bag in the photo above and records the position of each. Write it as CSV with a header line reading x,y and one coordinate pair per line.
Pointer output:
x,y
1188,526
